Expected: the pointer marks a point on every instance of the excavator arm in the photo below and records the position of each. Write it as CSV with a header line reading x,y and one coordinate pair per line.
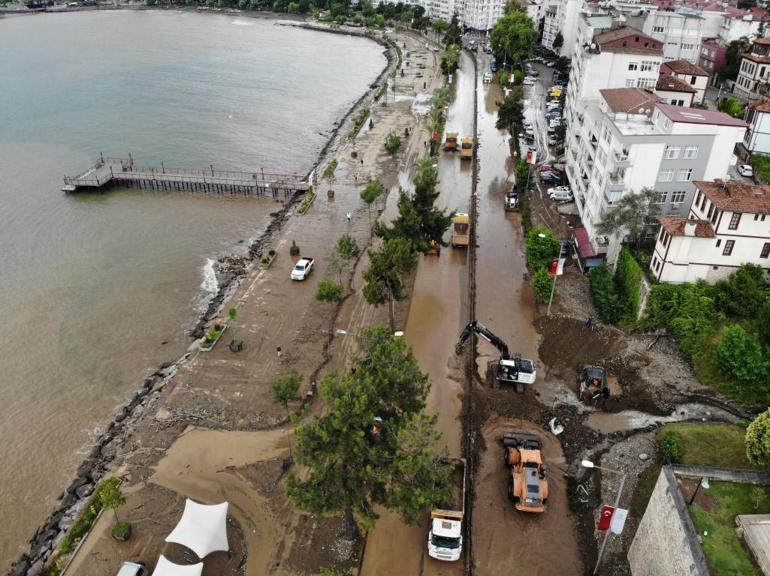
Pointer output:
x,y
486,334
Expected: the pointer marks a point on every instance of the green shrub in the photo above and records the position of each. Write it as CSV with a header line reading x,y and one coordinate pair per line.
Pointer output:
x,y
542,248
121,530
758,440
628,277
670,446
542,284
743,293
607,300
526,221
741,355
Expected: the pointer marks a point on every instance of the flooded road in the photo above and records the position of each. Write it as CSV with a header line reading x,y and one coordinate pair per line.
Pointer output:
x,y
436,316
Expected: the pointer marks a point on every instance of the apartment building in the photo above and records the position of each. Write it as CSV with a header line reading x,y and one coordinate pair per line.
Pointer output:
x,y
727,225
561,16
680,32
757,137
475,14
740,23
713,57
754,72
691,74
635,141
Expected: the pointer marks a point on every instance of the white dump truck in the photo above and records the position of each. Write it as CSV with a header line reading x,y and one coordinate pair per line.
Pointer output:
x,y
445,539
302,269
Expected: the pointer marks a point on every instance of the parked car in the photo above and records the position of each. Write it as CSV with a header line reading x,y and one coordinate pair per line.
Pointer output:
x,y
562,197
302,269
528,81
512,200
549,168
746,170
487,77
132,569
552,177
553,140
559,190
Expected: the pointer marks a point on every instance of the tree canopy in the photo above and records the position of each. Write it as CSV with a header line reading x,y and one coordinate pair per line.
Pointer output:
x,y
631,215
513,37
758,440
453,33
374,445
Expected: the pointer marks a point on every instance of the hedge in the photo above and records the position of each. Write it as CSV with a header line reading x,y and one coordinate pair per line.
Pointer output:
x,y
628,277
607,300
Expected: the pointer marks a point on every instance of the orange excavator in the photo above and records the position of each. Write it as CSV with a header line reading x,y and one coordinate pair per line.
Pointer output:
x,y
527,484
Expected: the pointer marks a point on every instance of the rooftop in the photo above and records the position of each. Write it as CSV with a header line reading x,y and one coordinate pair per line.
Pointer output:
x,y
617,40
685,67
762,41
757,58
676,226
629,100
698,116
760,105
734,196
673,84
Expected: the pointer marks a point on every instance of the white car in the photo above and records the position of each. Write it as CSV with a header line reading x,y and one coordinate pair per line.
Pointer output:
x,y
559,190
528,81
746,170
562,197
487,77
132,569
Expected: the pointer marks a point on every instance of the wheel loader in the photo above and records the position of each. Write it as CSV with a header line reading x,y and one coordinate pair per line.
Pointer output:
x,y
527,484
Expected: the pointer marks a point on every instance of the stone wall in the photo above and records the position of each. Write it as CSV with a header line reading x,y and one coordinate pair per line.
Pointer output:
x,y
666,543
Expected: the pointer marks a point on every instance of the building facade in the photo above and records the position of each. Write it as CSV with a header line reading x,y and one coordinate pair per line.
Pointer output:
x,y
754,72
757,137
561,17
738,23
689,73
728,225
679,31
713,57
672,90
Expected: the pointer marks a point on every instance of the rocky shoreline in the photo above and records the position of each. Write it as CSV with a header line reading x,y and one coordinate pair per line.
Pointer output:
x,y
229,270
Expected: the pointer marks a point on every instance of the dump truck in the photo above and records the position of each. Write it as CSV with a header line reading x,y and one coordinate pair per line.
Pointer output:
x,y
466,149
445,539
450,144
461,224
527,484
511,369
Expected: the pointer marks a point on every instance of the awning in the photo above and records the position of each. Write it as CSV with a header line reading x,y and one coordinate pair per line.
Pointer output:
x,y
585,247
202,529
167,568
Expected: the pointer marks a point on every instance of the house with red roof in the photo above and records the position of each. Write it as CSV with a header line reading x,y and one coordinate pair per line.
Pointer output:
x,y
754,73
691,74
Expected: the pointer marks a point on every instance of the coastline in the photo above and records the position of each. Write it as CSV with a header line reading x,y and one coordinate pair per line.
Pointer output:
x,y
230,271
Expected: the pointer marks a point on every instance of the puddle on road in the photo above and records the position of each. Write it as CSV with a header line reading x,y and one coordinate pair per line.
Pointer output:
x,y
627,420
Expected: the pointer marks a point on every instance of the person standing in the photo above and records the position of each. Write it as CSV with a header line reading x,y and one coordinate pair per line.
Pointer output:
x,y
349,216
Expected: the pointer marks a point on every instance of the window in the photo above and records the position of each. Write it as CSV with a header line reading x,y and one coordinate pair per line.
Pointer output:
x,y
662,197
711,211
690,152
633,65
666,176
734,221
657,29
684,175
648,66
728,248
697,198
646,83
693,79
672,152
765,250
763,218
630,83
719,243
678,196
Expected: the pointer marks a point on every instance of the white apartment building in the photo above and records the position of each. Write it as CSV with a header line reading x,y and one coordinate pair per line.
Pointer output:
x,y
738,23
757,137
475,14
561,16
691,74
638,142
679,31
754,72
727,226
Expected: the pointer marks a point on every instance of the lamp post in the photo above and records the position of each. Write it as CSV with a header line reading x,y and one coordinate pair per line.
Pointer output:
x,y
590,464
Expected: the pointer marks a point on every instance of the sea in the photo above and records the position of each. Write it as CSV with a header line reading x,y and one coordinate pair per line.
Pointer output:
x,y
96,290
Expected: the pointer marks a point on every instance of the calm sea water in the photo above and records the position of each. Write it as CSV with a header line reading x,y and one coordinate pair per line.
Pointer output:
x,y
91,286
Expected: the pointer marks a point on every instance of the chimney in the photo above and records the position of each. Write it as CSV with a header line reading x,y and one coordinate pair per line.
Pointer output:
x,y
689,227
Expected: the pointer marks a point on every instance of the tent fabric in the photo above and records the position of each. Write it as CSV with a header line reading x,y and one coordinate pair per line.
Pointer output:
x,y
167,568
202,529
584,244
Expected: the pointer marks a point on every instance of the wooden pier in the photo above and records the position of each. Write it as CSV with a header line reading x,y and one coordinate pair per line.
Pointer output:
x,y
123,172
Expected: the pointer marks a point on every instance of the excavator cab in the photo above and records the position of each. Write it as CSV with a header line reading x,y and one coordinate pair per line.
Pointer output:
x,y
527,484
592,384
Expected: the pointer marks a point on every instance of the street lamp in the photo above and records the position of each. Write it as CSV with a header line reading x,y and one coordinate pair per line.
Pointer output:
x,y
589,464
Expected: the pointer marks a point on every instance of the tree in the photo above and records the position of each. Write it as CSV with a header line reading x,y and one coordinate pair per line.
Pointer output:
x,y
451,60
344,253
111,497
370,193
392,144
731,106
758,440
558,42
373,446
542,284
513,36
285,390
440,26
453,33
510,110
733,58
330,292
743,293
542,248
741,356
384,277
328,174
631,215
562,64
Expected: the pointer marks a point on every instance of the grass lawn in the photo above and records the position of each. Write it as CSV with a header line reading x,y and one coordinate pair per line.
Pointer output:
x,y
761,166
725,553
719,445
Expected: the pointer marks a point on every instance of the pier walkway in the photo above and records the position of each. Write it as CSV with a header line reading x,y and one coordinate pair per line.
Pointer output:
x,y
123,172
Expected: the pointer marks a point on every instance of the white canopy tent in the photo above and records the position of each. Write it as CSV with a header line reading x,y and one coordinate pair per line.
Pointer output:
x,y
202,529
167,568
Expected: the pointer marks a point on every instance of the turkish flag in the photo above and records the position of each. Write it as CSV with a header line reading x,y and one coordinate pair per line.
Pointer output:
x,y
605,519
554,267
434,136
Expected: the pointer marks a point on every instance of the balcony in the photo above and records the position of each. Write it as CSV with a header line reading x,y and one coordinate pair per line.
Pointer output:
x,y
621,159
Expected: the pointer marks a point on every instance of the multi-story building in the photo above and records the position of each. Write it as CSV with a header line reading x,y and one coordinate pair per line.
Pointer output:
x,y
634,142
757,137
690,73
727,225
713,57
740,23
754,72
561,17
679,31
481,14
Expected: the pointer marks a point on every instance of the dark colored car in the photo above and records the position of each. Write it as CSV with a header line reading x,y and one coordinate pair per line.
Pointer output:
x,y
550,177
